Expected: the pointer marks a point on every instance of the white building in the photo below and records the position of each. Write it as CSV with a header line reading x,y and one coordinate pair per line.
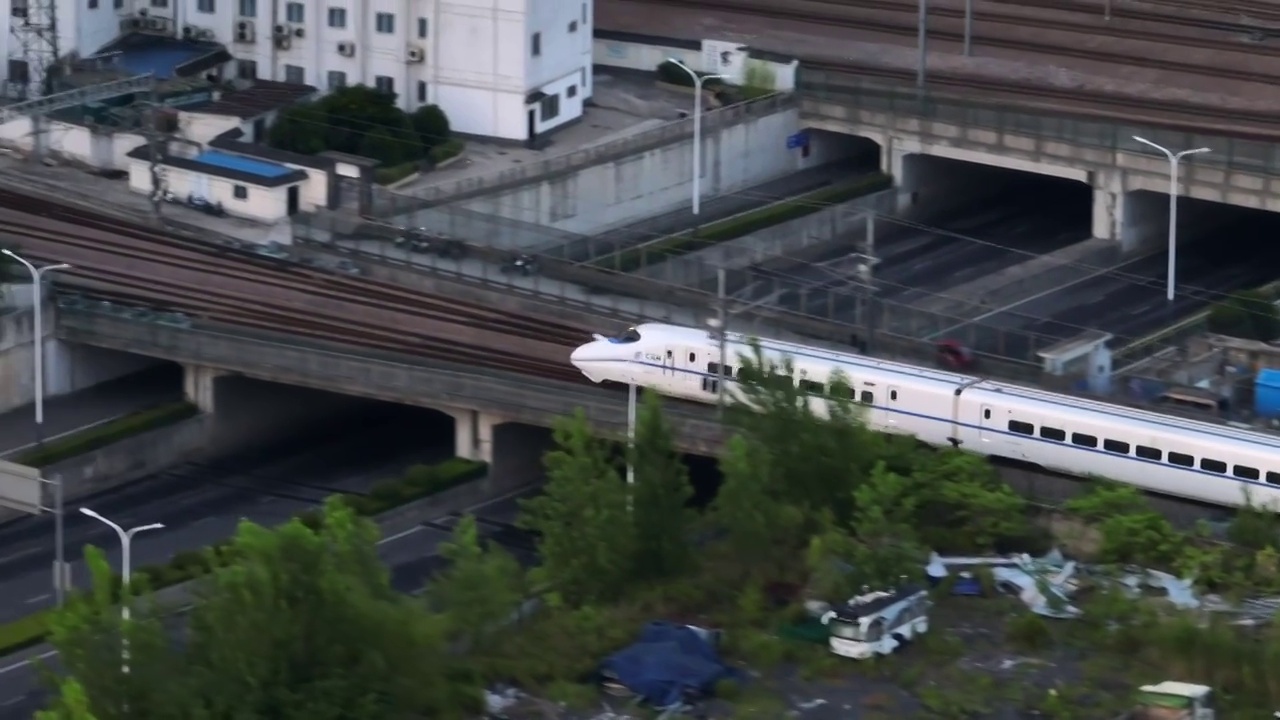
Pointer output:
x,y
511,69
26,42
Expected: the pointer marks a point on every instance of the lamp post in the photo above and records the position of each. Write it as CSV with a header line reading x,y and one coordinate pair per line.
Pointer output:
x,y
697,129
1174,159
126,562
37,301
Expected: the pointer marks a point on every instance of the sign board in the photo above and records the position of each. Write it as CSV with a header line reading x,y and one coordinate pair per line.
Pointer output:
x,y
20,487
798,140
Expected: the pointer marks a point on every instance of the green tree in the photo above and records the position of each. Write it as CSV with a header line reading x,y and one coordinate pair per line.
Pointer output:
x,y
964,506
1248,314
760,530
581,518
883,524
480,590
431,125
302,624
660,519
299,129
358,119
72,703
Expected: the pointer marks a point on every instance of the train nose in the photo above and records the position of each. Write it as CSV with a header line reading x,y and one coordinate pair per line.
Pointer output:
x,y
580,355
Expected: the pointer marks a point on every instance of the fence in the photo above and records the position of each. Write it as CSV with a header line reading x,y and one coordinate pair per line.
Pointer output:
x,y
1230,152
387,203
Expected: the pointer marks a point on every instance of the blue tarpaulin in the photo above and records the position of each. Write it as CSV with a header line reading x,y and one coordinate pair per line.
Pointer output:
x,y
666,661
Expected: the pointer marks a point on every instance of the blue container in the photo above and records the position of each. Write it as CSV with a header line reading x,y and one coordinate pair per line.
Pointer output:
x,y
1266,394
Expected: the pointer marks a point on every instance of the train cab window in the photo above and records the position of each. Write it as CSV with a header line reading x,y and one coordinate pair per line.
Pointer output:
x,y
867,398
630,336
893,394
1022,428
1181,459
1246,472
1273,478
1213,465
713,368
812,387
1084,440
986,414
1049,433
1148,453
1116,446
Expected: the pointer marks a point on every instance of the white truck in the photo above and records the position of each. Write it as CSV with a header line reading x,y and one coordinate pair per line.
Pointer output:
x,y
1171,700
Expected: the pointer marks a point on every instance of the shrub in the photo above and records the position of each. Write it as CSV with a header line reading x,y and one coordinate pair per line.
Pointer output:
x,y
395,173
674,74
446,150
24,632
1029,632
741,225
431,124
100,436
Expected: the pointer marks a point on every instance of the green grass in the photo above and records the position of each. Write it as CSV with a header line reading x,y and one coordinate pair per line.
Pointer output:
x,y
109,433
742,225
418,482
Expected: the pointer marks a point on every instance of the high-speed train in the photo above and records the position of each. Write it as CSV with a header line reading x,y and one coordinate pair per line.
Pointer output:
x,y
1200,461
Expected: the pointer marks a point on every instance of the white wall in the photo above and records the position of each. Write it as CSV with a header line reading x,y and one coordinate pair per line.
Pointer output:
x,y
740,69
267,205
105,150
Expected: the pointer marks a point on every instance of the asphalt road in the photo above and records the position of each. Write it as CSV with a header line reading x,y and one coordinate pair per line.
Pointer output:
x,y
66,413
916,263
412,557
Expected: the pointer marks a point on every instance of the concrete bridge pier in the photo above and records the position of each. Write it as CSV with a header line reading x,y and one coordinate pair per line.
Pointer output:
x,y
513,450
473,434
199,385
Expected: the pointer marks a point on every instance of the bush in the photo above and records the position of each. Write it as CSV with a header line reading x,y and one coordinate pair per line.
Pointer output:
x,y
395,173
446,150
741,225
418,482
431,124
100,436
674,73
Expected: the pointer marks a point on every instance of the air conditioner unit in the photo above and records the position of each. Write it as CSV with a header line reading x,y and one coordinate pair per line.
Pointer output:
x,y
142,12
245,37
280,30
299,31
244,27
346,49
132,23
283,42
206,34
190,32
155,24
415,55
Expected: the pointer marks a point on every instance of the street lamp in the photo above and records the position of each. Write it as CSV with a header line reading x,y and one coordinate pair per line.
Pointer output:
x,y
126,553
1174,158
37,300
697,128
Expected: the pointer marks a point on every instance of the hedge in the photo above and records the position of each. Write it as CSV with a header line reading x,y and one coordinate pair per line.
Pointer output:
x,y
395,173
673,73
446,150
109,433
418,482
740,225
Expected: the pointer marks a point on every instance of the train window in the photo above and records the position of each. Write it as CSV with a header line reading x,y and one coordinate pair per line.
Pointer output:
x,y
1246,472
1273,477
1022,428
812,387
693,357
893,394
1084,440
1116,446
867,398
1181,459
1148,453
986,414
630,336
1213,465
713,368
1049,433
711,385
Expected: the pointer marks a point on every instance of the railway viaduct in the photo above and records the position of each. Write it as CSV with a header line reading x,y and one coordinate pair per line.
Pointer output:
x,y
497,415
1100,154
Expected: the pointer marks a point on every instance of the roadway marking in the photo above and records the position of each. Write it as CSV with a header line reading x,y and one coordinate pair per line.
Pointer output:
x,y
15,556
39,598
19,665
397,536
13,701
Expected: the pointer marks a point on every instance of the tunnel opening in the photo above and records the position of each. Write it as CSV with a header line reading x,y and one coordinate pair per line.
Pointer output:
x,y
857,151
949,189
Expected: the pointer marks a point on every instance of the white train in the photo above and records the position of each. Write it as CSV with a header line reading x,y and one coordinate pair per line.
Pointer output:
x,y
1199,461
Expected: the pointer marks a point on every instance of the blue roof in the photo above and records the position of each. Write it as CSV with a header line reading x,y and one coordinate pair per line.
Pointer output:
x,y
250,166
161,61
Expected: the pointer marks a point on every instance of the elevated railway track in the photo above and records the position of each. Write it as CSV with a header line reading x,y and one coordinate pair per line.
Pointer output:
x,y
136,264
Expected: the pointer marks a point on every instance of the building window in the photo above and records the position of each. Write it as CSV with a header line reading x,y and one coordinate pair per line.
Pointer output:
x,y
422,28
295,74
571,91
295,12
385,84
422,91
249,8
573,26
205,6
384,23
337,17
240,192
19,71
118,4
536,42
584,13
337,79
247,69
549,108
93,4
159,3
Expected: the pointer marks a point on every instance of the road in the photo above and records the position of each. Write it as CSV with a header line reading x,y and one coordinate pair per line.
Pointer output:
x,y
108,401
412,557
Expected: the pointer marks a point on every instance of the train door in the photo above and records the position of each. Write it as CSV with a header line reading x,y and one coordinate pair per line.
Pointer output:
x,y
890,410
989,422
669,364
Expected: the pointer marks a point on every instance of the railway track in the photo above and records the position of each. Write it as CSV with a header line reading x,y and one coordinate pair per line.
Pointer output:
x,y
846,13
136,264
